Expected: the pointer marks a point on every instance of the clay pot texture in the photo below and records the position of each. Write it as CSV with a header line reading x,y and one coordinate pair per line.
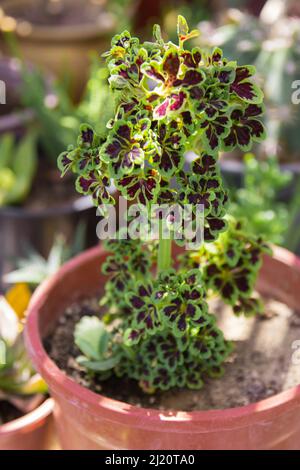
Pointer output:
x,y
30,432
86,420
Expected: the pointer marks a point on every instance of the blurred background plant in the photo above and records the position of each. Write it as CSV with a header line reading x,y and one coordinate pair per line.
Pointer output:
x,y
258,204
21,389
58,118
193,10
34,269
18,166
271,42
32,193
58,35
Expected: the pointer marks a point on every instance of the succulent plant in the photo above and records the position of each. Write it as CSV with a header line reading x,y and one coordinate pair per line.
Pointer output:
x,y
34,269
19,383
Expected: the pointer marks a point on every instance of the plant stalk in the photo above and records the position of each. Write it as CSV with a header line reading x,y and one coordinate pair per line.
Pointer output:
x,y
164,257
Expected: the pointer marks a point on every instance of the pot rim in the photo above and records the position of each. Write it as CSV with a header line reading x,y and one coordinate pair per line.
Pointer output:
x,y
29,420
57,33
64,385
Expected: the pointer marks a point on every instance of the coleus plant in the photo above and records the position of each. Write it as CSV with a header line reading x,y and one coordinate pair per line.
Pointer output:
x,y
157,328
272,43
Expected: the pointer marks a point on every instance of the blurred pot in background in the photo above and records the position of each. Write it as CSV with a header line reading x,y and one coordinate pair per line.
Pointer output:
x,y
13,116
24,413
33,431
59,35
22,228
28,187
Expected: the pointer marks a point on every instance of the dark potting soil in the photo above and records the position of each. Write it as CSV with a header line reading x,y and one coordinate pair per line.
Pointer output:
x,y
18,406
8,412
260,366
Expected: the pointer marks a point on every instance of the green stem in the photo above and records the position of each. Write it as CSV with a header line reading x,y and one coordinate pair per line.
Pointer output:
x,y
164,257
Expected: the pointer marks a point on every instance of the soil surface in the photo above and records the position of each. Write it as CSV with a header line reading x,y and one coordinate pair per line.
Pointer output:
x,y
8,412
18,406
260,366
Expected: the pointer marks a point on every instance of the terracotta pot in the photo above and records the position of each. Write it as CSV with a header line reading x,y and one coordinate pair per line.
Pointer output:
x,y
62,48
86,420
31,432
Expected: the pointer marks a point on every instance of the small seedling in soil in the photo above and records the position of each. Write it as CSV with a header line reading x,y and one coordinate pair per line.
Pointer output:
x,y
157,328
